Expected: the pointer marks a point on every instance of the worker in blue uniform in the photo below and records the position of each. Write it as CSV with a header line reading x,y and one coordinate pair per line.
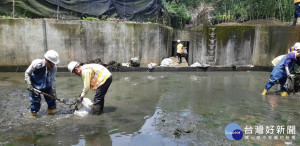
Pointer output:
x,y
282,71
41,75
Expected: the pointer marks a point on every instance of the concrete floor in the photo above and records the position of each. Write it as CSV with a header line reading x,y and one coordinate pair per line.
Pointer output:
x,y
176,64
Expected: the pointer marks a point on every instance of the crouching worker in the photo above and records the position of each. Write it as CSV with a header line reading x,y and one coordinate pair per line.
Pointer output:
x,y
95,76
282,70
41,75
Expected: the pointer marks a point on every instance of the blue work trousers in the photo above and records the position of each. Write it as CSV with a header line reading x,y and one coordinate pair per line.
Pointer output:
x,y
35,100
297,10
273,80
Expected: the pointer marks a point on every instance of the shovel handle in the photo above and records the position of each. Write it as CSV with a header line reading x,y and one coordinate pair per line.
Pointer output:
x,y
40,92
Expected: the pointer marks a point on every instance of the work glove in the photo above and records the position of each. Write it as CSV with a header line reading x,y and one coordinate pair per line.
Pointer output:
x,y
29,87
79,100
291,76
288,73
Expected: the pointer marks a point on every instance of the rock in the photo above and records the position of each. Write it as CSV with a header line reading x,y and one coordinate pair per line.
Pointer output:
x,y
166,62
97,60
206,65
196,64
135,62
113,65
152,65
126,64
177,133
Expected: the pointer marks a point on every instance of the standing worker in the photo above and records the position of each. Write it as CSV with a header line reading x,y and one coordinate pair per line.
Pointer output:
x,y
282,70
297,11
95,76
179,51
41,75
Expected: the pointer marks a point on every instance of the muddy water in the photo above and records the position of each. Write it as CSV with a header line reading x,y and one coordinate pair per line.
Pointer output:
x,y
150,109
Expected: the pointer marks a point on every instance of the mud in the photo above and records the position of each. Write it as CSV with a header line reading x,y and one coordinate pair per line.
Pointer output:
x,y
185,108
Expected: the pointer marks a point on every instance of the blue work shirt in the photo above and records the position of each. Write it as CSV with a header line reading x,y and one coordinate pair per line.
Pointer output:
x,y
40,76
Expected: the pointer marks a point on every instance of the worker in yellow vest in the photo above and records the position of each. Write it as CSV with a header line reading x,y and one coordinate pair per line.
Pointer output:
x,y
297,11
180,51
95,76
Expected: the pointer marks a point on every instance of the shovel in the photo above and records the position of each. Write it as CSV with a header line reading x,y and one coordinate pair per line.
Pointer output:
x,y
77,103
45,94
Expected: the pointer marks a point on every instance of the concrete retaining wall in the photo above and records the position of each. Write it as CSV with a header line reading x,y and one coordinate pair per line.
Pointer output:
x,y
22,40
239,45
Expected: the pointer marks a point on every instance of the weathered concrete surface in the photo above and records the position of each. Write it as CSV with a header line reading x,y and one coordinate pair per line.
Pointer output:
x,y
239,45
22,40
273,41
176,62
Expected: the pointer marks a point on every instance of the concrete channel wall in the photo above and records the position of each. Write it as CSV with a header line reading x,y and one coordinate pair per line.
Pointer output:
x,y
22,40
238,45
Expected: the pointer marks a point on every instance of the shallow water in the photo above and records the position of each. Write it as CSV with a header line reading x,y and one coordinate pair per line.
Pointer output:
x,y
150,109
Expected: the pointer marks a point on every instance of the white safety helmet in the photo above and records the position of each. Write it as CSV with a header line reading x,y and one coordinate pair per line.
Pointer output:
x,y
178,41
72,65
297,46
52,56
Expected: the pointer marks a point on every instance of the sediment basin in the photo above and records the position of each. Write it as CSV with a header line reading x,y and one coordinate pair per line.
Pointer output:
x,y
152,108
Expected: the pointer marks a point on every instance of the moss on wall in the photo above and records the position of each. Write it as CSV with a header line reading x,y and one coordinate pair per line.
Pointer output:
x,y
69,29
12,22
167,33
119,40
224,33
197,29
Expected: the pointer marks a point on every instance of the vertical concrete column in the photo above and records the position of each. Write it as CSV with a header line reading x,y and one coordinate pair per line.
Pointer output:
x,y
45,36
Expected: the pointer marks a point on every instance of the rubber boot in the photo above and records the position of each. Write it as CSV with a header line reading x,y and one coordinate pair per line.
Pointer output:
x,y
101,110
96,110
33,115
264,92
51,111
283,94
294,22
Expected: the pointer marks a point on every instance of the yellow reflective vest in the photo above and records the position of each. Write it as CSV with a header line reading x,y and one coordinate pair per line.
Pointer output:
x,y
276,60
296,1
180,48
101,74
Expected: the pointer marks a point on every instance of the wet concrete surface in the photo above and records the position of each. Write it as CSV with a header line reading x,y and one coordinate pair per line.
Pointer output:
x,y
141,108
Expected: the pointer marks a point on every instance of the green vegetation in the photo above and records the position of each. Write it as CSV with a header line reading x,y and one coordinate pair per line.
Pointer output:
x,y
90,19
229,10
6,17
240,10
180,10
176,13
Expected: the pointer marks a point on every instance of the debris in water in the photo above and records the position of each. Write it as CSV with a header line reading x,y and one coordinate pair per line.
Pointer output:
x,y
177,133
